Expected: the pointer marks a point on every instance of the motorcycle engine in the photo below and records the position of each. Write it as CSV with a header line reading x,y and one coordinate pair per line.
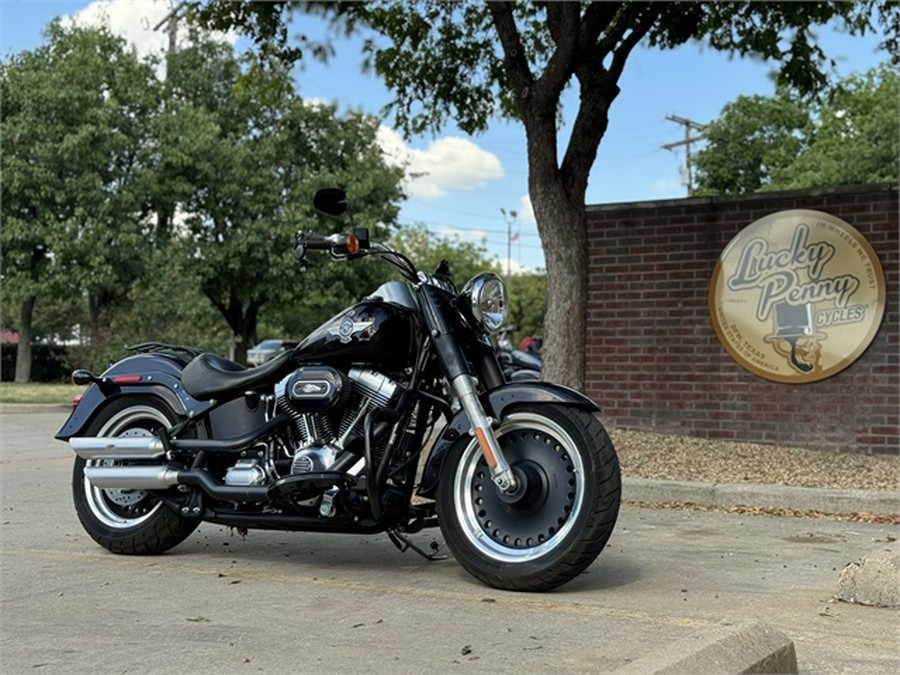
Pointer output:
x,y
328,409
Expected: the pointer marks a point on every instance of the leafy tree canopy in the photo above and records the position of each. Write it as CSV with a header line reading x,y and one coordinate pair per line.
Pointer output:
x,y
75,173
848,135
246,155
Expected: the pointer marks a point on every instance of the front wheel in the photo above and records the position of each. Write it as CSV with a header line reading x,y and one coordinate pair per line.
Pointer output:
x,y
124,520
561,514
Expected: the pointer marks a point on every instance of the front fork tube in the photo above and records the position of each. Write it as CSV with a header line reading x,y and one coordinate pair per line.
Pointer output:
x,y
501,473
457,372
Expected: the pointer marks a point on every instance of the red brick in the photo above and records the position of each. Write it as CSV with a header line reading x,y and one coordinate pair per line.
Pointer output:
x,y
656,364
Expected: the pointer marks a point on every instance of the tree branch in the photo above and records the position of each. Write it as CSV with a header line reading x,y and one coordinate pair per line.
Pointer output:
x,y
520,75
596,18
599,88
564,22
644,24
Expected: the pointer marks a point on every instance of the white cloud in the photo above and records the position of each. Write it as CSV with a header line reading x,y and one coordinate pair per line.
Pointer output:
x,y
526,210
448,163
134,20
447,232
667,188
514,267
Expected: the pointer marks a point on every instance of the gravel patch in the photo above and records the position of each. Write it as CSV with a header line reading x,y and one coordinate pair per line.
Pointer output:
x,y
665,457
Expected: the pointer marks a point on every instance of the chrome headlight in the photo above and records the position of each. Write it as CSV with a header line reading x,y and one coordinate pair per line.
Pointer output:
x,y
486,301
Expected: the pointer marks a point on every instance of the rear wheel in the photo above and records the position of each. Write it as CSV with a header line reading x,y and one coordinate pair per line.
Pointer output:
x,y
561,514
124,520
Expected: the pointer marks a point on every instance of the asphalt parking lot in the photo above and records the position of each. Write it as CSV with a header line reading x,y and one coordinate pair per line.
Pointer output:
x,y
295,602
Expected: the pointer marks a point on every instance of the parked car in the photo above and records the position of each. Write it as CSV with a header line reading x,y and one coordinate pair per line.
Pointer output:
x,y
267,350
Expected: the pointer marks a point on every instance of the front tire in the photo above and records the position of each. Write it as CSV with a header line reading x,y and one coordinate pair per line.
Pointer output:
x,y
561,515
123,521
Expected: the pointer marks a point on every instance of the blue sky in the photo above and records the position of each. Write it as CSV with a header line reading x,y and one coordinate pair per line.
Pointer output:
x,y
470,179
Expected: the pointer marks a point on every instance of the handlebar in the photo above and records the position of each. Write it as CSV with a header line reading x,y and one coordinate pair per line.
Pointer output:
x,y
313,241
351,246
337,244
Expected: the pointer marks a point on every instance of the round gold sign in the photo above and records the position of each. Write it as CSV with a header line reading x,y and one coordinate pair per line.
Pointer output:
x,y
797,296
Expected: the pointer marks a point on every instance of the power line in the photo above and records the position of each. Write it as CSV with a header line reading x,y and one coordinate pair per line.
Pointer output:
x,y
688,125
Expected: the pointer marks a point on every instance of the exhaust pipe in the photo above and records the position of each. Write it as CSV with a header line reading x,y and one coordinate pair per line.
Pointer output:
x,y
131,477
161,478
117,447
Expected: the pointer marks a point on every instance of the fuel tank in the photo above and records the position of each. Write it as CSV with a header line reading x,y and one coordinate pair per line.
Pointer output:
x,y
371,332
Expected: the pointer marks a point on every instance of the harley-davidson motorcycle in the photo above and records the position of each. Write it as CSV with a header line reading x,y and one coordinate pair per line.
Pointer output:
x,y
354,431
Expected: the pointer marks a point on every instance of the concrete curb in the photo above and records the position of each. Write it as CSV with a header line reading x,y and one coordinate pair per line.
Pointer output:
x,y
745,647
824,500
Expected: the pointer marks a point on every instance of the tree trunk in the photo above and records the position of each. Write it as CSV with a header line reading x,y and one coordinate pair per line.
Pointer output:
x,y
242,342
242,324
23,351
562,226
246,336
557,196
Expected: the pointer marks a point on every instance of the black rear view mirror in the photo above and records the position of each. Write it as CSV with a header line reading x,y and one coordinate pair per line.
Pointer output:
x,y
332,201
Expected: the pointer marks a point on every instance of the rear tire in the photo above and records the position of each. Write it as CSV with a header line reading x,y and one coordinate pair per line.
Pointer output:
x,y
133,522
557,521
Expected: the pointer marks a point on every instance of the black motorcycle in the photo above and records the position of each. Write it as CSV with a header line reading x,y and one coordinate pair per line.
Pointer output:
x,y
522,480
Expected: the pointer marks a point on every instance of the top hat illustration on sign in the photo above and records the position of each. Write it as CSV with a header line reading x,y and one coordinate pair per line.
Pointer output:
x,y
794,324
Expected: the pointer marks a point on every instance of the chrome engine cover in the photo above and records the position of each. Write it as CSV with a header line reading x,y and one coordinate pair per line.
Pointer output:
x,y
329,409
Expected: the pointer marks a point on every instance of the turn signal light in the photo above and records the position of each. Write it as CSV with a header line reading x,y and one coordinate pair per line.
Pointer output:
x,y
352,244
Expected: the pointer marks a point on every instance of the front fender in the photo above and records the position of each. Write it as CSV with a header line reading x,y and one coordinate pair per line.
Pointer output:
x,y
495,403
158,376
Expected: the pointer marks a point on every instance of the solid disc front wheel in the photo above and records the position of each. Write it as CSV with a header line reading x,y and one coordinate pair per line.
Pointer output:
x,y
561,513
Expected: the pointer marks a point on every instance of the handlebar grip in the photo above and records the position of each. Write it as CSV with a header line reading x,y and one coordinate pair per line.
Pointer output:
x,y
338,244
315,242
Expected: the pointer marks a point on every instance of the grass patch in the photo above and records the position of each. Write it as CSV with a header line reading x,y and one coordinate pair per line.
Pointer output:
x,y
38,392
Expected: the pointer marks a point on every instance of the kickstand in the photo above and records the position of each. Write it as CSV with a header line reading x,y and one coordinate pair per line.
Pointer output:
x,y
404,544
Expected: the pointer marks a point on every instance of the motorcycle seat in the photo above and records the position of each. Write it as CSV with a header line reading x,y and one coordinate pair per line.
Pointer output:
x,y
211,376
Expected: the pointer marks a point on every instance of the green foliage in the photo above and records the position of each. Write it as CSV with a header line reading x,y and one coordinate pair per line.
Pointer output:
x,y
244,155
74,183
51,363
442,60
527,292
854,136
427,250
145,209
782,32
528,304
753,134
848,135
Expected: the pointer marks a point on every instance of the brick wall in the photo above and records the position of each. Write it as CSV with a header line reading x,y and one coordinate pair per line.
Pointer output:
x,y
654,361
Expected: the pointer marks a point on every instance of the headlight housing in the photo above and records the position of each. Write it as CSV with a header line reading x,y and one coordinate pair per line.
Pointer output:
x,y
486,302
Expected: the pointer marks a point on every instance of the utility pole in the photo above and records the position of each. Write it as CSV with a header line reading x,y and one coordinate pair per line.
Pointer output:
x,y
509,238
688,125
172,29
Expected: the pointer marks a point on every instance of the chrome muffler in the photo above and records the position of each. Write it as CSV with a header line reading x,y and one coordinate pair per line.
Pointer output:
x,y
131,477
117,447
161,477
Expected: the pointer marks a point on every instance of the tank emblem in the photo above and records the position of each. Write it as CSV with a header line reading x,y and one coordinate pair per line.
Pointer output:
x,y
348,328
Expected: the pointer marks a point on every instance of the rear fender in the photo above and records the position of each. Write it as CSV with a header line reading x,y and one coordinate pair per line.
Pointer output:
x,y
496,403
140,375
